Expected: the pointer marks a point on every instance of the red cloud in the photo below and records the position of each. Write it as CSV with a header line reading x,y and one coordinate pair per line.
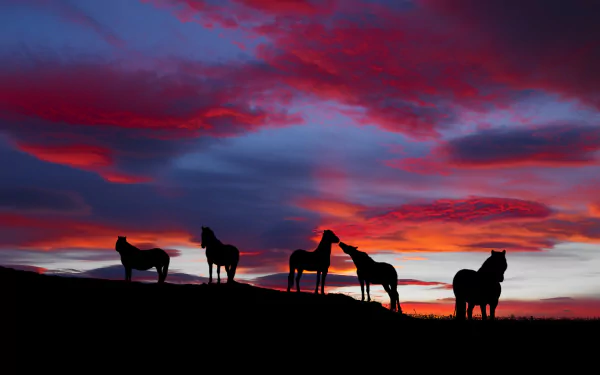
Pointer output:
x,y
467,210
412,68
86,157
473,224
539,44
101,94
92,123
80,156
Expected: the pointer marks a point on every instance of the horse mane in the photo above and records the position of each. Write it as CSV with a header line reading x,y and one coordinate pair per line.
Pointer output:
x,y
364,256
490,265
211,237
123,245
325,243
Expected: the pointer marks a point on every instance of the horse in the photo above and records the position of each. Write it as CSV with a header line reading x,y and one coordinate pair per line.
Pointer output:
x,y
481,287
142,260
220,254
316,260
371,272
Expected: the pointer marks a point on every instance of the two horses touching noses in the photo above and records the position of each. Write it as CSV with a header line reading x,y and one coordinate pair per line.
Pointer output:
x,y
368,270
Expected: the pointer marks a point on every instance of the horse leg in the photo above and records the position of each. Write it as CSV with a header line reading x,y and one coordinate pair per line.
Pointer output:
x,y
362,288
368,292
227,272
159,272
318,280
470,310
127,273
232,270
290,279
165,271
392,299
298,276
493,306
323,276
460,307
218,274
210,272
483,312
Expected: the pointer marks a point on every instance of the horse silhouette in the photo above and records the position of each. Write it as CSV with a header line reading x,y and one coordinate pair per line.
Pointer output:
x,y
371,272
142,260
220,254
317,260
481,287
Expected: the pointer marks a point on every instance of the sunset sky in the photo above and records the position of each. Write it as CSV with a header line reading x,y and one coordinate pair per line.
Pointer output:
x,y
425,132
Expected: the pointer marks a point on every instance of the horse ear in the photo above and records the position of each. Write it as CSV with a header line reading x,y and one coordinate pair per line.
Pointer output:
x,y
493,251
504,251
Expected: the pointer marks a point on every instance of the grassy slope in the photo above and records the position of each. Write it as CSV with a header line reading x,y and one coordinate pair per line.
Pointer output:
x,y
76,315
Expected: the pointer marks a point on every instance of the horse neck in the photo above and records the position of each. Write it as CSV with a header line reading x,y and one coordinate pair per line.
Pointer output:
x,y
361,259
324,247
126,246
215,242
487,269
487,265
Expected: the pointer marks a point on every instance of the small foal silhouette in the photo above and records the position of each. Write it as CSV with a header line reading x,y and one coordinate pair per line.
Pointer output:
x,y
220,254
370,271
142,260
317,260
481,287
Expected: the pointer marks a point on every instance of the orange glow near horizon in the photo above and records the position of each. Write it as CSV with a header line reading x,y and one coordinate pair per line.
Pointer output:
x,y
65,234
568,308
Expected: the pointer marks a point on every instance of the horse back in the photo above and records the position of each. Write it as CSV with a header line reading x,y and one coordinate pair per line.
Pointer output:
x,y
379,273
232,253
308,260
158,255
223,255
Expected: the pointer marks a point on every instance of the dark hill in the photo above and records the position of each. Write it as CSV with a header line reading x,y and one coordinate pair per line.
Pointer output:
x,y
63,316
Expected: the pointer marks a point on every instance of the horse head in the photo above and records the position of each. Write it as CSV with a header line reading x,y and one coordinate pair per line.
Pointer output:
x,y
347,248
330,237
207,236
496,265
121,240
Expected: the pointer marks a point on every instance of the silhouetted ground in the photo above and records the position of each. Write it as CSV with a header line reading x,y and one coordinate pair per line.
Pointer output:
x,y
93,320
